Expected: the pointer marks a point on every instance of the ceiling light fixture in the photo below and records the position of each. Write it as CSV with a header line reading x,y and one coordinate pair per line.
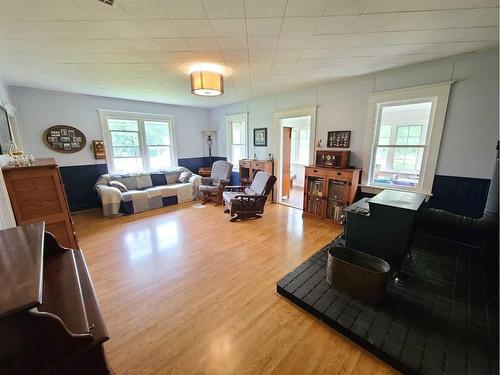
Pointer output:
x,y
207,83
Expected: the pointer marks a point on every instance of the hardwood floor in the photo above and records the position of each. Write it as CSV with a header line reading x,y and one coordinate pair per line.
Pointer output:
x,y
184,291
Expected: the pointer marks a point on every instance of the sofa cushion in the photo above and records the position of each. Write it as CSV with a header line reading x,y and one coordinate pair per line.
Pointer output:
x,y
129,182
118,185
158,179
184,176
144,181
172,177
184,192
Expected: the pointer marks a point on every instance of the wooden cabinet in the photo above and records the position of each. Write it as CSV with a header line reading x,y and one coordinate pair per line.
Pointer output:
x,y
248,169
50,319
37,194
328,191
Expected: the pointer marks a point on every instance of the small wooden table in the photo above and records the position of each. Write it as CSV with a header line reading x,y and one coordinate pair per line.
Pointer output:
x,y
205,171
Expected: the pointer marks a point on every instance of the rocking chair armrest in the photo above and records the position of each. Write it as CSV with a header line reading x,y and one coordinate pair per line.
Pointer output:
x,y
249,197
235,188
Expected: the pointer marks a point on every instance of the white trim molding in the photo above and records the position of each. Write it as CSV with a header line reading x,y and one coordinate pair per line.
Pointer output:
x,y
288,113
438,94
236,117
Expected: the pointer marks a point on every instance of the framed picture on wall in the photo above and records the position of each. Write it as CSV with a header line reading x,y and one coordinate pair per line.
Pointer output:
x,y
260,137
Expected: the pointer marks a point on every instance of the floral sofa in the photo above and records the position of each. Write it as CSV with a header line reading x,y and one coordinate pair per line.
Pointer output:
x,y
136,192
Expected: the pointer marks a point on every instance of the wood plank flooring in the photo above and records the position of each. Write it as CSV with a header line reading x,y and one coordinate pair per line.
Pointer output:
x,y
184,291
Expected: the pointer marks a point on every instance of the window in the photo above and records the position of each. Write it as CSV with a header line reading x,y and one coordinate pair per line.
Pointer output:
x,y
237,138
300,146
405,127
136,142
400,145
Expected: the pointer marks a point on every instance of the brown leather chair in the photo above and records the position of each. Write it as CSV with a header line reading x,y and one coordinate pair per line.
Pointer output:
x,y
244,202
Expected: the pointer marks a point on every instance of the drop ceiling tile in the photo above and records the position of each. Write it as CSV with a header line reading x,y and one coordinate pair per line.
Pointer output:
x,y
232,44
209,56
159,28
50,10
263,42
194,28
263,26
334,24
203,44
235,56
265,8
143,9
52,30
346,7
185,9
369,23
224,8
301,8
99,11
261,55
450,4
173,44
382,6
288,54
292,42
298,26
124,29
129,45
443,19
228,28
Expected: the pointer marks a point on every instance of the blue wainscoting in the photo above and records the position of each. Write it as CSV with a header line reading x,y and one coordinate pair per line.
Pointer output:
x,y
79,180
460,195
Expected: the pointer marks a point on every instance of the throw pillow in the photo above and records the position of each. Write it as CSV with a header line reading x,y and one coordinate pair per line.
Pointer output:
x,y
118,185
185,176
158,179
172,177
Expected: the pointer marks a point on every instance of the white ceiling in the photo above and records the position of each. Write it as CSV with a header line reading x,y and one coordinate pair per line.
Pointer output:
x,y
141,49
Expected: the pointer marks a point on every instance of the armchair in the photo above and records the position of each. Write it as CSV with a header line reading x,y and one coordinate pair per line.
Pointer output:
x,y
244,202
213,186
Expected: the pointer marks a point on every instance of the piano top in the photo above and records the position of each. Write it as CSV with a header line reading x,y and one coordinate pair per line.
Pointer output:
x,y
406,200
21,268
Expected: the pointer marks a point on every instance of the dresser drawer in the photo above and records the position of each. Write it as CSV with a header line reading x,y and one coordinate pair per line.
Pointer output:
x,y
341,175
258,165
317,172
245,163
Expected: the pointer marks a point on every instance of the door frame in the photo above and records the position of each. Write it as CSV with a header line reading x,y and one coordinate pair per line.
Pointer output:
x,y
288,113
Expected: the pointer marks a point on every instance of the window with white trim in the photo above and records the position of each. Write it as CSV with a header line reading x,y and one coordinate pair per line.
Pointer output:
x,y
405,127
237,131
137,142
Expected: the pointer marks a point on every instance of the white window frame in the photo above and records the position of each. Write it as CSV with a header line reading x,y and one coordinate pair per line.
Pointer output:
x,y
236,117
105,115
438,94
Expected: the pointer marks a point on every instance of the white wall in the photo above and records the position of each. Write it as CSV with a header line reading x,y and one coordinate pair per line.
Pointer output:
x,y
471,128
38,110
6,214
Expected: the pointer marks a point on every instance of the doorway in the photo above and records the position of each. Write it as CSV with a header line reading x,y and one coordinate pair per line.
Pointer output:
x,y
295,134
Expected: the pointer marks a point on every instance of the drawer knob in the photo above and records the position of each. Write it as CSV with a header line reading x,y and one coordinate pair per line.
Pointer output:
x,y
339,173
315,171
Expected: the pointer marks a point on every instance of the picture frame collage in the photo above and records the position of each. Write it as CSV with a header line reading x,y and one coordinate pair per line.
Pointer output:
x,y
64,138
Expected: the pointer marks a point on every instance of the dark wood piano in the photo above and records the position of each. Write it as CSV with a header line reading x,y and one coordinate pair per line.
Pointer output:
x,y
50,320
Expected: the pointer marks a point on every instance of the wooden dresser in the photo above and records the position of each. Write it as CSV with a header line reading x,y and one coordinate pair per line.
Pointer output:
x,y
37,194
248,168
328,191
50,319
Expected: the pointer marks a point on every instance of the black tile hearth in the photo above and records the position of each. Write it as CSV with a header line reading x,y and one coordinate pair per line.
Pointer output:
x,y
440,316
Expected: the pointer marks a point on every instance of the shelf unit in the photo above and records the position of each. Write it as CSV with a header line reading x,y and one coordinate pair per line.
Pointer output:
x,y
328,191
